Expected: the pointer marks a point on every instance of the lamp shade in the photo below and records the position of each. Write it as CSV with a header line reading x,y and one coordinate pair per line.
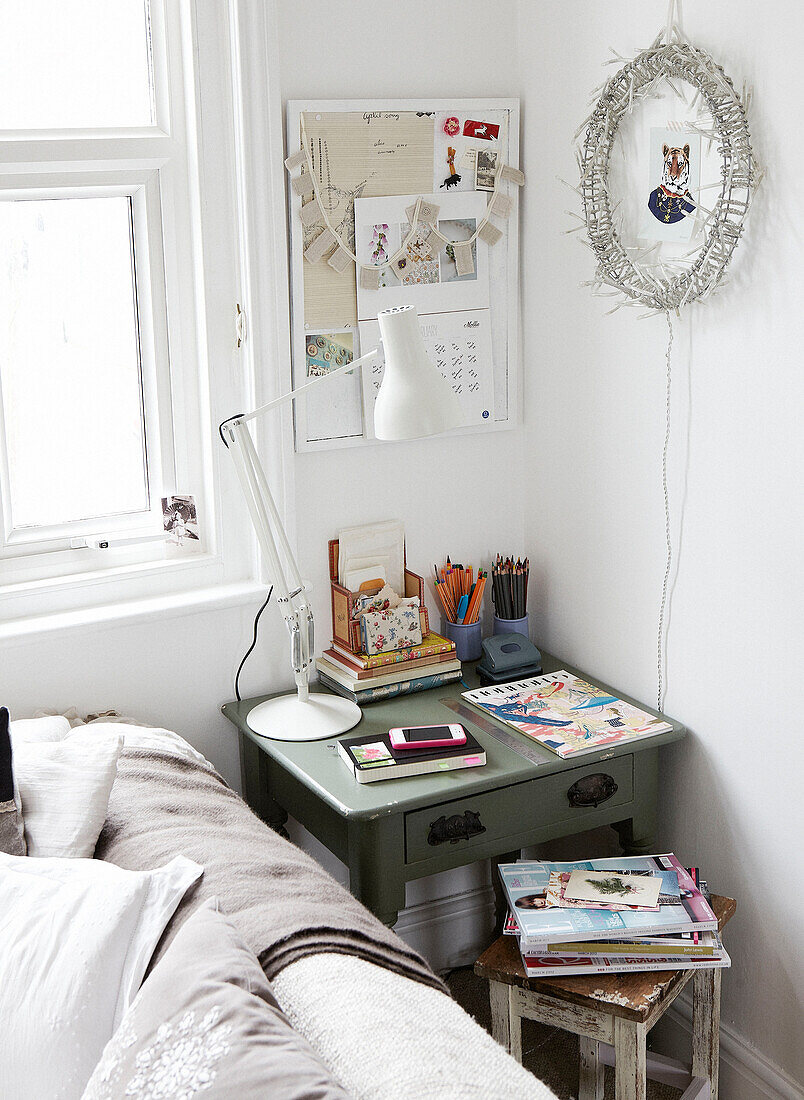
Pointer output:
x,y
414,400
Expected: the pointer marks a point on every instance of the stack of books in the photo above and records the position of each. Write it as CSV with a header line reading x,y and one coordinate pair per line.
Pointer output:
x,y
627,913
367,678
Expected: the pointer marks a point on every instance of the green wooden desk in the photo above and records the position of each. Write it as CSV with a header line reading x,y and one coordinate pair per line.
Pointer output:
x,y
382,831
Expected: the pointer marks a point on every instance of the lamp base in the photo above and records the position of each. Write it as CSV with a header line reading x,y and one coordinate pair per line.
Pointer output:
x,y
287,718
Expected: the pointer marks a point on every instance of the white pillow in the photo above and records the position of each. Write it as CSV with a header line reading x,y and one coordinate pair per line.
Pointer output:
x,y
76,936
53,727
64,789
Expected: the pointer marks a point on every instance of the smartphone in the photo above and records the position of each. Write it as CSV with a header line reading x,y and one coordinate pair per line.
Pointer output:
x,y
427,737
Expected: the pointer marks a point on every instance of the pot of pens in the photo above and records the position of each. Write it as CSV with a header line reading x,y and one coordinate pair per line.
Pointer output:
x,y
509,593
461,596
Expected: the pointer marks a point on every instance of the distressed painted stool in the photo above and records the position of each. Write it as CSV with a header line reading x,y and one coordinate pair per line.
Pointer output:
x,y
612,1014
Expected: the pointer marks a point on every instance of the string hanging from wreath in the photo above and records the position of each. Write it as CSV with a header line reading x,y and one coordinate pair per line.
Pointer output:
x,y
664,286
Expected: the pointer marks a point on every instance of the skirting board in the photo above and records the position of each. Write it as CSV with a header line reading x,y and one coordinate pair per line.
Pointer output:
x,y
450,931
745,1074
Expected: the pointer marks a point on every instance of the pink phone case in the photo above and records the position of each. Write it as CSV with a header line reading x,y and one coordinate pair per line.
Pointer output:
x,y
399,742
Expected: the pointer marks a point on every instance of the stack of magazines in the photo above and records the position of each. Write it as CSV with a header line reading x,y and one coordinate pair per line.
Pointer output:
x,y
626,913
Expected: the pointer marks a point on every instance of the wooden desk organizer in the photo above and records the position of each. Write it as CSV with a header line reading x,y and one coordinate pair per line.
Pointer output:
x,y
345,628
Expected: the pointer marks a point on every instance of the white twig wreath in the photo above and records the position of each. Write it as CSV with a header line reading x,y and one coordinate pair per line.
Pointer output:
x,y
667,289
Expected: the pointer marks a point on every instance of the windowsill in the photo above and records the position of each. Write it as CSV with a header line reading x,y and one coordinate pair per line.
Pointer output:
x,y
140,610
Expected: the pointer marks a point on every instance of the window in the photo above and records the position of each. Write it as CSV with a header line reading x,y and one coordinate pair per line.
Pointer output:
x,y
104,404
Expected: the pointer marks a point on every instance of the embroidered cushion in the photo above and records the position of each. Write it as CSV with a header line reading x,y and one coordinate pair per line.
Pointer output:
x,y
76,936
206,1024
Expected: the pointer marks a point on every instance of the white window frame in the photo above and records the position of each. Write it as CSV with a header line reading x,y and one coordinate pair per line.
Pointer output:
x,y
188,284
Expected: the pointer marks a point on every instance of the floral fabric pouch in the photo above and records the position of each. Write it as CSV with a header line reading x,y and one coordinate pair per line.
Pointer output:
x,y
396,628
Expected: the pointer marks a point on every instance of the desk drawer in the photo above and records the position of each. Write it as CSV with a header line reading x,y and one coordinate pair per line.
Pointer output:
x,y
518,809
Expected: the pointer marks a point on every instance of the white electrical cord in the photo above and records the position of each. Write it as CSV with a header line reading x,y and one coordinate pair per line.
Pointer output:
x,y
667,529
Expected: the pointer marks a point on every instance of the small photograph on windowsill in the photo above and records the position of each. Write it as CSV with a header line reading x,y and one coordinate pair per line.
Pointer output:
x,y
180,521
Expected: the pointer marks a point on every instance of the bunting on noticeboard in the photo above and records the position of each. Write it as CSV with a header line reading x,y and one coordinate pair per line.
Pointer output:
x,y
422,216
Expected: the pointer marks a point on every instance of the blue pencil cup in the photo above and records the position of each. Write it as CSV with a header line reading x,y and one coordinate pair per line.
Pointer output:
x,y
467,639
511,626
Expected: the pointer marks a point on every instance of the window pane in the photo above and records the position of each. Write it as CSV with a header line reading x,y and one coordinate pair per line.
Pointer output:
x,y
74,63
69,360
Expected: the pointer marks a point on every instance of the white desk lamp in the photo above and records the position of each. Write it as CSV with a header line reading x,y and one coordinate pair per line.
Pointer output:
x,y
414,401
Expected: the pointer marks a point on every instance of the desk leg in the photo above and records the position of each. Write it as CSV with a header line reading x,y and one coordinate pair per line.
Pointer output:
x,y
638,834
377,865
254,780
500,900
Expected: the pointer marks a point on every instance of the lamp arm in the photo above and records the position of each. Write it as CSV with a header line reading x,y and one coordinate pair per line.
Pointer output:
x,y
317,381
286,578
287,581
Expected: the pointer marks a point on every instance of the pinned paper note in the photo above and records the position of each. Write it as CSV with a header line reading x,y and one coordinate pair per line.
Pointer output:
x,y
501,205
320,246
489,233
340,259
513,175
464,261
428,211
369,278
311,213
303,185
296,160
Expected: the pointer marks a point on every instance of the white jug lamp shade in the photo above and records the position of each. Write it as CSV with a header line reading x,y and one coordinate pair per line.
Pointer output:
x,y
414,400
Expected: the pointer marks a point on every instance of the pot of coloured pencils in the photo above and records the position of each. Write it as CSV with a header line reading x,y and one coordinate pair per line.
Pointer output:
x,y
511,626
461,597
509,594
467,638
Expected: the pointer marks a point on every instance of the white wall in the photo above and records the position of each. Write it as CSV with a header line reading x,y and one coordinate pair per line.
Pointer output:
x,y
594,418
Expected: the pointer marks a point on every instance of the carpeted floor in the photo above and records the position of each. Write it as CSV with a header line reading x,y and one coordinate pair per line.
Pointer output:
x,y
548,1052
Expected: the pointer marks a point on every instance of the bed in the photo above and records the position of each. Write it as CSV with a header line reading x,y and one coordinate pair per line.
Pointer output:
x,y
372,1009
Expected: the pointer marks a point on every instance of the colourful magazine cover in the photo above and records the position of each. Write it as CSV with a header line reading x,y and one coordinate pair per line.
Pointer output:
x,y
526,883
565,713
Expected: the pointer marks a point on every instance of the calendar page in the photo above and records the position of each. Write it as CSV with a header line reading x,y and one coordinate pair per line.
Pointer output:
x,y
459,345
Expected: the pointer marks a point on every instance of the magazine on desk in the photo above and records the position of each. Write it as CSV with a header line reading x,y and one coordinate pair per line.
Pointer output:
x,y
565,713
525,884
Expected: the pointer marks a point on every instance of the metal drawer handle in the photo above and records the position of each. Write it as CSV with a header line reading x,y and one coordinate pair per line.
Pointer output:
x,y
591,790
455,828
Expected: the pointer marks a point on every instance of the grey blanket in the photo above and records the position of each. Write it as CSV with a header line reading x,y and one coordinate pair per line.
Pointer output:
x,y
283,903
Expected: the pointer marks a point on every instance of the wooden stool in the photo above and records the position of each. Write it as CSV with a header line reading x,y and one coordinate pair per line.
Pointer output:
x,y
612,1014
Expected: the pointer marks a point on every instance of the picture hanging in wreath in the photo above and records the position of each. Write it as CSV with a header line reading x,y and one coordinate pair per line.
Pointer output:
x,y
675,171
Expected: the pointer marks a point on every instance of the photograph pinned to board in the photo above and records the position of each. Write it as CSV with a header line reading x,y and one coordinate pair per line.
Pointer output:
x,y
331,406
347,151
459,344
485,169
674,181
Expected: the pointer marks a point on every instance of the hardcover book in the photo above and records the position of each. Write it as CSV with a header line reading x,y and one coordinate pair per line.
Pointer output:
x,y
350,666
394,675
371,758
431,645
565,713
389,691
526,883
